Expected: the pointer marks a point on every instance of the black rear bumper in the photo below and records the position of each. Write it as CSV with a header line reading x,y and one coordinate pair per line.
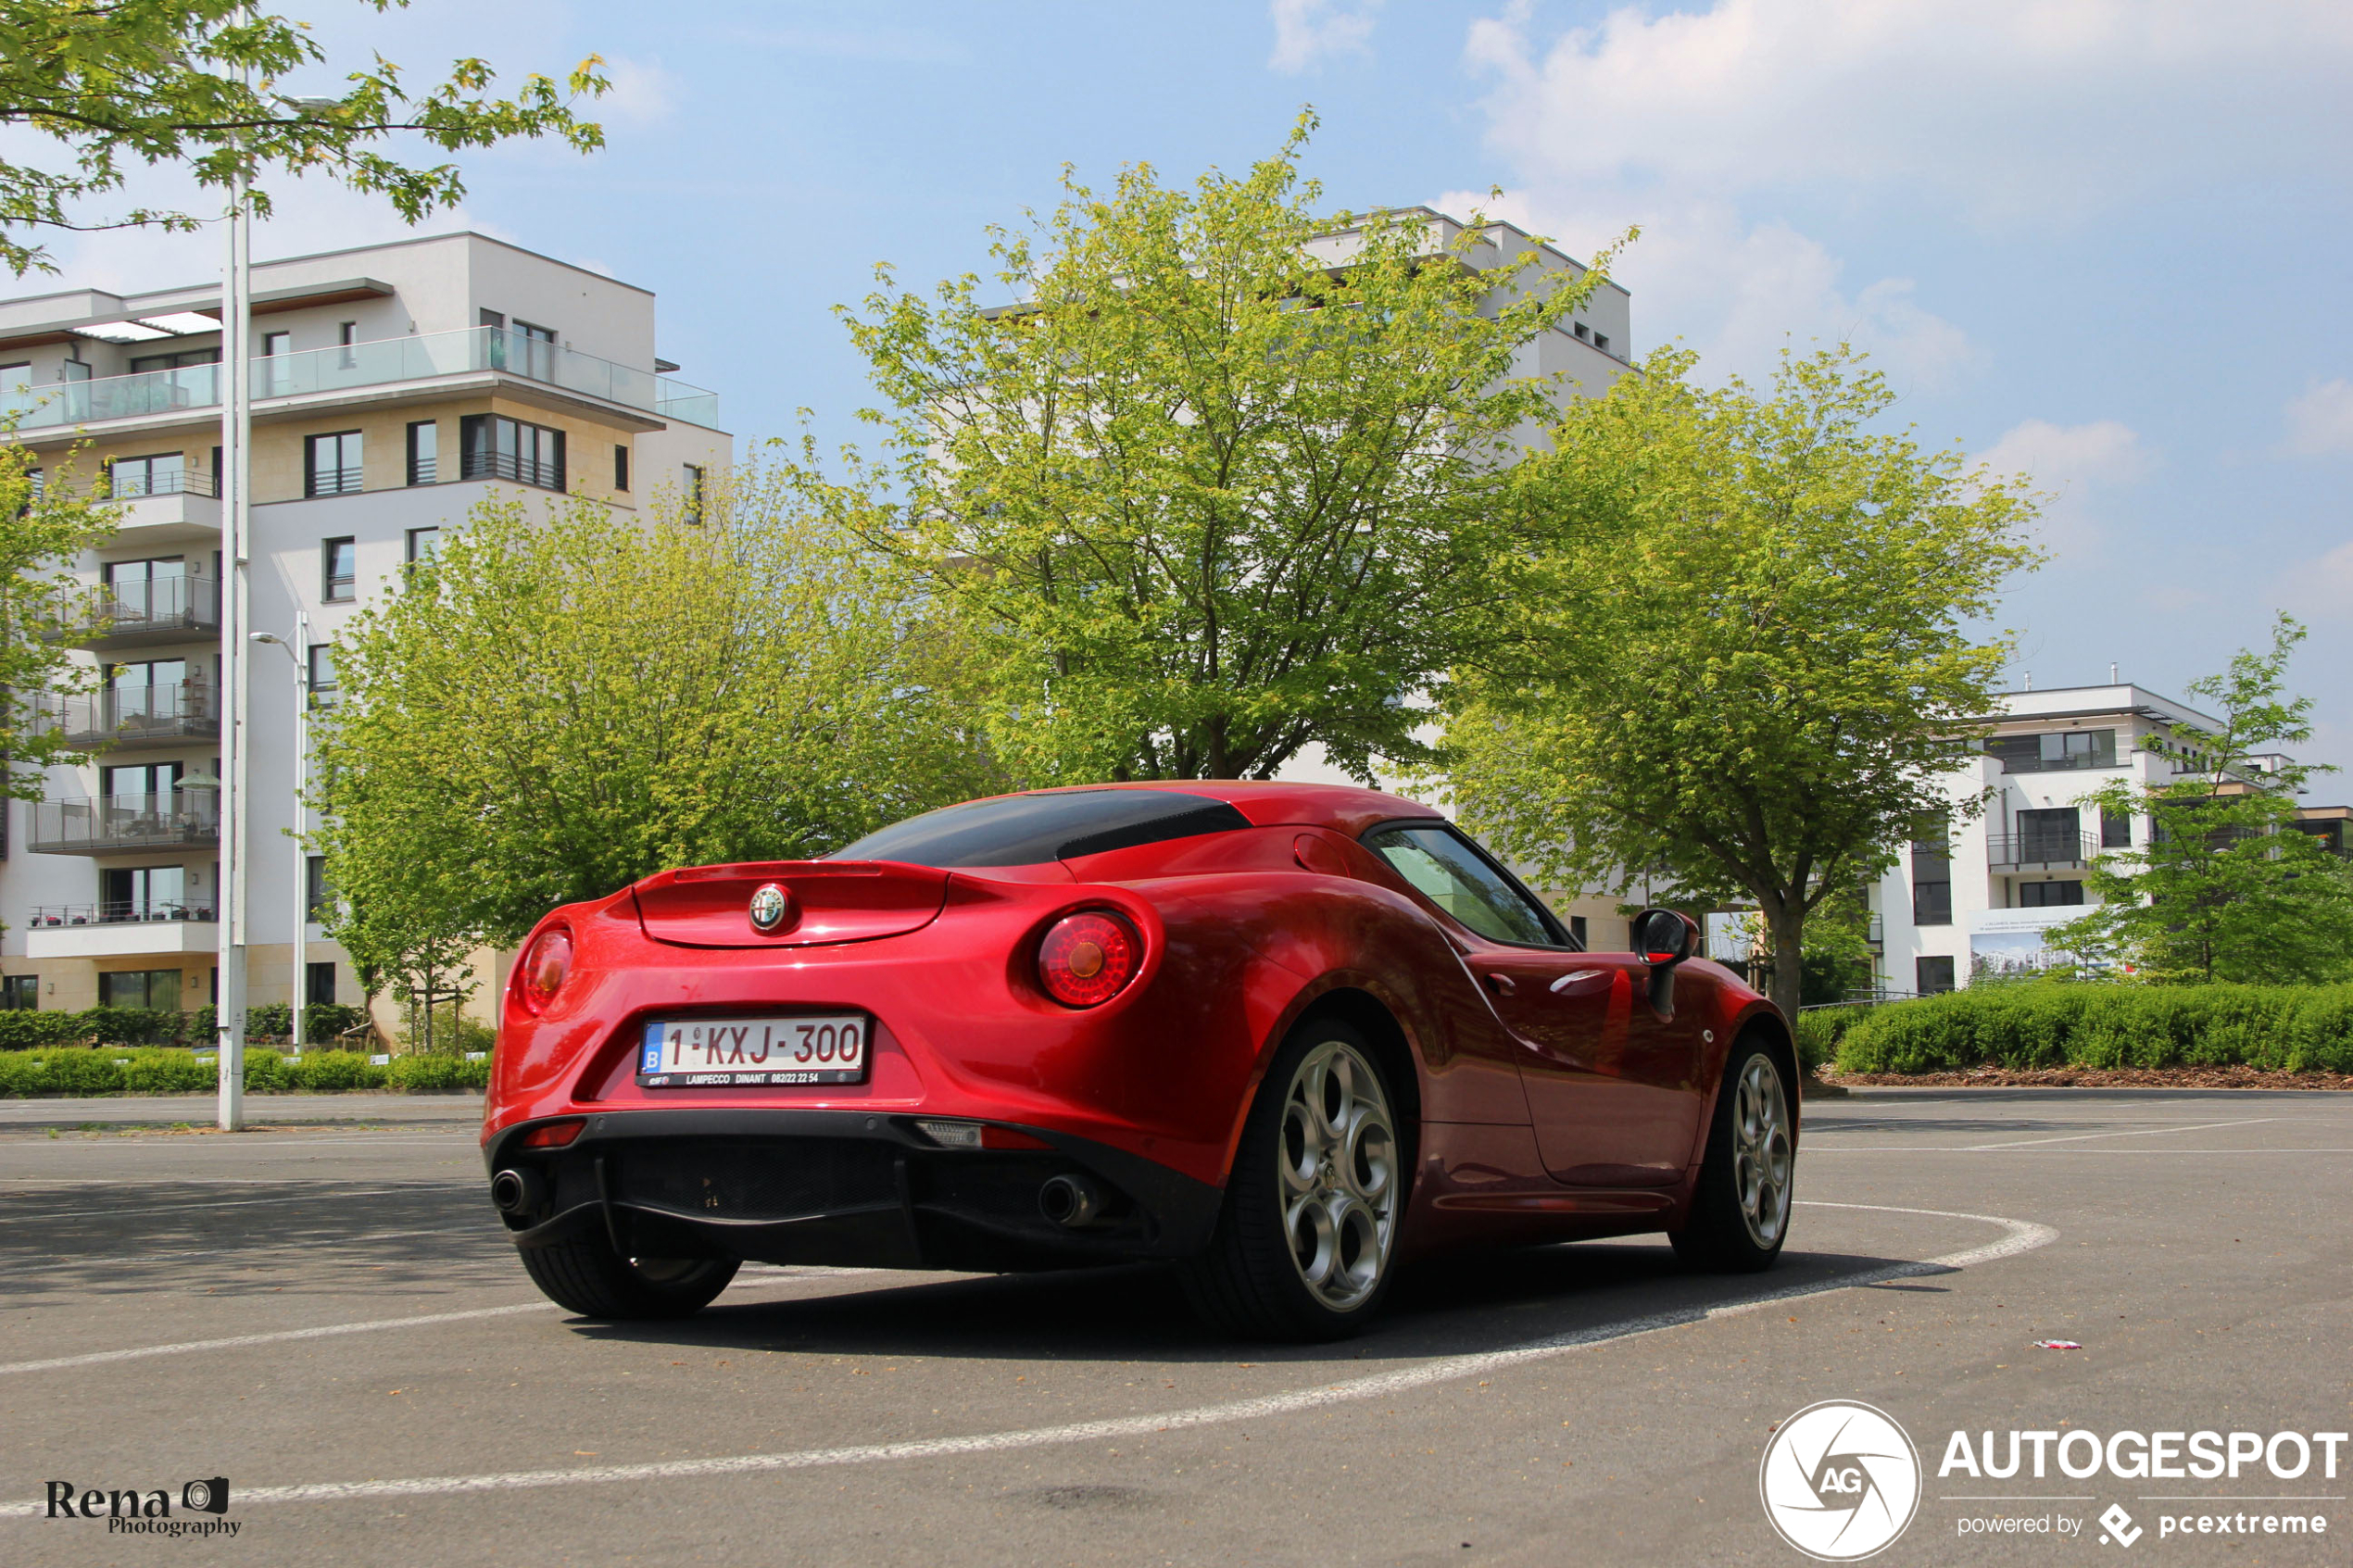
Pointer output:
x,y
844,1188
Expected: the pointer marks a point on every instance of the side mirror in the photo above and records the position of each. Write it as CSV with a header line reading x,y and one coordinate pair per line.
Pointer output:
x,y
1662,939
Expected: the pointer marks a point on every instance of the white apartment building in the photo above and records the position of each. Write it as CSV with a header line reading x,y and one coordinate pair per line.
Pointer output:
x,y
1982,901
1587,352
394,386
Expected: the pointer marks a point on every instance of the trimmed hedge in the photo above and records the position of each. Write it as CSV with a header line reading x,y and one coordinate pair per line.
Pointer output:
x,y
2058,1023
26,1028
1820,1029
114,1069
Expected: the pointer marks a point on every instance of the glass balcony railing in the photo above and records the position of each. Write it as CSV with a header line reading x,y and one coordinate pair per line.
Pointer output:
x,y
119,912
131,716
420,357
126,614
100,824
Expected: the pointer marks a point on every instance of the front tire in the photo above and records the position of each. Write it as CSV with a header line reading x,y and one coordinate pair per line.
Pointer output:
x,y
583,1274
1305,1242
1741,1207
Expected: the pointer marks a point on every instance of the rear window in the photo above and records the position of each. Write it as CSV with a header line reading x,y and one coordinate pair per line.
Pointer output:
x,y
1028,830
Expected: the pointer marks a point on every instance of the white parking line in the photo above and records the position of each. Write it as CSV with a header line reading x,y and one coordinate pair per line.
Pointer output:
x,y
2020,1236
2136,1132
280,1336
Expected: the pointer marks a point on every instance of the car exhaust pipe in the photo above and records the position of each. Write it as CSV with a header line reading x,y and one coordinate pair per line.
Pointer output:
x,y
1071,1202
514,1191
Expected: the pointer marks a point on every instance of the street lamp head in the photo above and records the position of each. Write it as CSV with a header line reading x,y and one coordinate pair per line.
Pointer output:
x,y
263,637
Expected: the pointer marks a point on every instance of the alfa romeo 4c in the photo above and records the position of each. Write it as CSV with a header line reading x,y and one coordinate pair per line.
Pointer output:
x,y
1281,1037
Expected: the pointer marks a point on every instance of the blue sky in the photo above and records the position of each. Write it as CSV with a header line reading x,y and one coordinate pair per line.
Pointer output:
x,y
2104,242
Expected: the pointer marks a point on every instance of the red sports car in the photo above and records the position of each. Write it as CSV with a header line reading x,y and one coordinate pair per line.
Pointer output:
x,y
1281,1036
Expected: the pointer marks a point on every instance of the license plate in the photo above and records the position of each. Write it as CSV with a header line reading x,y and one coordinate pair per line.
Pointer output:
x,y
724,1052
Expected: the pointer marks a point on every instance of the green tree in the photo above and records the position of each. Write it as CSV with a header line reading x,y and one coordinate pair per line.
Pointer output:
x,y
196,84
1217,485
2224,887
555,708
1735,648
43,527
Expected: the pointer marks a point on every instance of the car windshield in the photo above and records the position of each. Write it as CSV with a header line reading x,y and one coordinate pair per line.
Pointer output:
x,y
1027,830
1458,880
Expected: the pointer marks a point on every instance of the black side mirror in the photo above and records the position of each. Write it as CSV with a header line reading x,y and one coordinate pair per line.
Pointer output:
x,y
1664,939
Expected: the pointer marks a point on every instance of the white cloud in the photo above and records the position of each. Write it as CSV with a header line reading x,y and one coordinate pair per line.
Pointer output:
x,y
1306,31
2321,589
642,93
2015,107
2322,421
2072,465
1740,292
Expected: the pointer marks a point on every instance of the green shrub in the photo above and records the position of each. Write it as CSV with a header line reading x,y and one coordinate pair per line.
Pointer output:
x,y
1820,1030
21,1029
112,1070
2084,1023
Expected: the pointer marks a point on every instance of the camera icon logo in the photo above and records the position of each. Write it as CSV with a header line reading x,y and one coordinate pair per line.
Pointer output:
x,y
1840,1481
206,1497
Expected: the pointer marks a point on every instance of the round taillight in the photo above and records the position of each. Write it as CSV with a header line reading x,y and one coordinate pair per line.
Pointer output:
x,y
1087,958
546,967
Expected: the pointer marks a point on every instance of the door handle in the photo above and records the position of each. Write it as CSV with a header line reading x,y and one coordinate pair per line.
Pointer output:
x,y
1501,985
1577,977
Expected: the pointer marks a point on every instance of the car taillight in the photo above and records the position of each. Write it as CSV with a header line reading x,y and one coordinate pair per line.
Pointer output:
x,y
1088,958
546,967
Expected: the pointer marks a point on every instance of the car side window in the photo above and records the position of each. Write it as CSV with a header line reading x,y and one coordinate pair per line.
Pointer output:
x,y
1458,880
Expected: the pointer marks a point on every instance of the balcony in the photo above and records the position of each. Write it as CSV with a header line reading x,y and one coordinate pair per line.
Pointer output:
x,y
123,718
2040,851
119,930
148,612
187,819
386,362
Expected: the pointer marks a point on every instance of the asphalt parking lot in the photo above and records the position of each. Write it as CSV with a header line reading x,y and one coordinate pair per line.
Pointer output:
x,y
325,1314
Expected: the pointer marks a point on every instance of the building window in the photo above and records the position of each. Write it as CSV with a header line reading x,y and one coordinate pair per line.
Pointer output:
x,y
144,363
1600,341
1931,976
346,334
145,893
621,469
1931,882
2061,749
691,490
424,451
2115,830
140,989
497,447
319,899
1577,932
2049,895
17,377
319,984
2054,834
1584,333
339,570
166,473
277,366
19,993
325,691
332,464
424,543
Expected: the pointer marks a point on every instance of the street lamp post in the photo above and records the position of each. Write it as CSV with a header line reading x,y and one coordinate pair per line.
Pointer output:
x,y
236,432
299,651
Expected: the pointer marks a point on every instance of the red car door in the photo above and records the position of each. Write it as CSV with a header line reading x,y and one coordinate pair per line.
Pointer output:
x,y
1610,1084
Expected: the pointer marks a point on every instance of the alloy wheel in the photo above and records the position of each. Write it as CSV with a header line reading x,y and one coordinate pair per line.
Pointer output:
x,y
1340,1178
1763,1150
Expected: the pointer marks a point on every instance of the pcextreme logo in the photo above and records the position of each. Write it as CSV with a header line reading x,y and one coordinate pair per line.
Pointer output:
x,y
1840,1481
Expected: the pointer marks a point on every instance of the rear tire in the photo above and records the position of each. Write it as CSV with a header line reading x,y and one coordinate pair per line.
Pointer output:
x,y
584,1274
1741,1206
1307,1238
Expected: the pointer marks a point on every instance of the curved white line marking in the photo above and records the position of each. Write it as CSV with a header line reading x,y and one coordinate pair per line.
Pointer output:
x,y
2022,1235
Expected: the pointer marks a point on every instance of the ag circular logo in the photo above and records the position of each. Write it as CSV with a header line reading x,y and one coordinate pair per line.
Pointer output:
x,y
1840,1481
770,906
